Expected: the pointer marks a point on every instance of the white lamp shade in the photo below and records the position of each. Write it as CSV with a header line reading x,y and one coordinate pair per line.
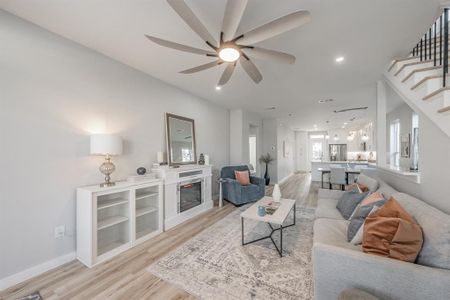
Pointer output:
x,y
105,144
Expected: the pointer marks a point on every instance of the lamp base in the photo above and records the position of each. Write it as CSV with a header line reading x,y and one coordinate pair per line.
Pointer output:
x,y
107,168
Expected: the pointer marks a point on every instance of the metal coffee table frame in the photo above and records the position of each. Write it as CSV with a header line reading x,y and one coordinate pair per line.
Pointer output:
x,y
279,250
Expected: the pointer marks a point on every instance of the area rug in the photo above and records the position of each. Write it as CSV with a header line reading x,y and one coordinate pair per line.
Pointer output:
x,y
214,265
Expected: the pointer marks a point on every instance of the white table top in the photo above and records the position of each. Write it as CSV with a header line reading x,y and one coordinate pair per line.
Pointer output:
x,y
278,216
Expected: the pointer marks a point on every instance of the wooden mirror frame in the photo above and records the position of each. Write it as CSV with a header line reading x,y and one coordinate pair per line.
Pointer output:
x,y
168,144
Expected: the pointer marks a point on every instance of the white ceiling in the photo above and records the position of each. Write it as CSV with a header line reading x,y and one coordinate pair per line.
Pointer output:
x,y
368,33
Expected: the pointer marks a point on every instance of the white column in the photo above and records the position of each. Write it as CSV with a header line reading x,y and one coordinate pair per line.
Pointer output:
x,y
381,123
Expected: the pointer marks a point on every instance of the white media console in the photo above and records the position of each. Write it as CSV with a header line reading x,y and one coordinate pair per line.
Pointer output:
x,y
111,220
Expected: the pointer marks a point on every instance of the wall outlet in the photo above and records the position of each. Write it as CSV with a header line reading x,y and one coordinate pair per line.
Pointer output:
x,y
60,231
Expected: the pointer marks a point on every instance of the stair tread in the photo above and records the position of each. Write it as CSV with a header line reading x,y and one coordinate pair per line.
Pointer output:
x,y
397,60
420,70
424,80
429,96
443,110
413,64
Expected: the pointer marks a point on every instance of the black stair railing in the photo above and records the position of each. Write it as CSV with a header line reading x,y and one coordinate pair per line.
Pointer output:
x,y
433,45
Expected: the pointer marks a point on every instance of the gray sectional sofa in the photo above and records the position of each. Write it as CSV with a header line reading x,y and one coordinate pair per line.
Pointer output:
x,y
339,265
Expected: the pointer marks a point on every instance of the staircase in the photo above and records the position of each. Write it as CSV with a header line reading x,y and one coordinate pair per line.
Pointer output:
x,y
422,78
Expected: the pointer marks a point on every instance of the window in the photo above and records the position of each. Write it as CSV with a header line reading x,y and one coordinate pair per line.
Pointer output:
x,y
415,142
395,143
317,150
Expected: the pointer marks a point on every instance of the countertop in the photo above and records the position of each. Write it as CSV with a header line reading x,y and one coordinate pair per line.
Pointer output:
x,y
341,162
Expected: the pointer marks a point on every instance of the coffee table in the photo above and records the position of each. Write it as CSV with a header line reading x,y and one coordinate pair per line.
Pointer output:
x,y
277,218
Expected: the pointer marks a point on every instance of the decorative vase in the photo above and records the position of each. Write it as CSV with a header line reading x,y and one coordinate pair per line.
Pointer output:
x,y
276,195
201,159
141,171
266,175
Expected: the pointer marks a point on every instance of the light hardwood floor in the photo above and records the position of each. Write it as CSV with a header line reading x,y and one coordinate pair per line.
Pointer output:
x,y
125,276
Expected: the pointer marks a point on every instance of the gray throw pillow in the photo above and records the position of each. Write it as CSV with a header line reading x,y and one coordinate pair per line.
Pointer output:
x,y
348,202
359,217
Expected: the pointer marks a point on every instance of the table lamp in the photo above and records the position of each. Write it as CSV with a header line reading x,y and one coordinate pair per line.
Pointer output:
x,y
107,145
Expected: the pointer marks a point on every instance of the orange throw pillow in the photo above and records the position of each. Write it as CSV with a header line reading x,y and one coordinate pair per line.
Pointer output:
x,y
242,177
372,198
392,232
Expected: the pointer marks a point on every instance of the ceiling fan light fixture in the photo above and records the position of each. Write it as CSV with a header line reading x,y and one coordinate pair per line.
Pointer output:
x,y
229,54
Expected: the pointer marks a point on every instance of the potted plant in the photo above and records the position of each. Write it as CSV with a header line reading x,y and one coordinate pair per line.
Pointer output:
x,y
266,159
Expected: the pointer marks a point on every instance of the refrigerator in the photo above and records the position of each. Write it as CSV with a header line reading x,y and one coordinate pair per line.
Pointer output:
x,y
338,152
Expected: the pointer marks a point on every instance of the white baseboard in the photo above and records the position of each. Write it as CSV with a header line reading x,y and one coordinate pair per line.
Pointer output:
x,y
285,178
35,271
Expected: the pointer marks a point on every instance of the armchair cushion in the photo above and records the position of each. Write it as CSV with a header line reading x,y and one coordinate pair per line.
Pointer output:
x,y
243,177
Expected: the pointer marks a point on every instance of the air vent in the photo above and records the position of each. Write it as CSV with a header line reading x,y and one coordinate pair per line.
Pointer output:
x,y
350,109
270,108
325,100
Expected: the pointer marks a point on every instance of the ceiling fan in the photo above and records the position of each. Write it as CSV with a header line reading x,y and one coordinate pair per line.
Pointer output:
x,y
232,49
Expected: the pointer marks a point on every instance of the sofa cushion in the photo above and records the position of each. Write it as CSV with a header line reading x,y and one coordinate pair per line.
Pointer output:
x,y
332,232
326,208
372,184
386,190
348,202
392,232
436,231
359,217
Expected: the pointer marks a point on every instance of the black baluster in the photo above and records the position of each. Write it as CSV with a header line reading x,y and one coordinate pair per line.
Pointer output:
x,y
426,47
429,43
435,43
445,67
421,46
440,40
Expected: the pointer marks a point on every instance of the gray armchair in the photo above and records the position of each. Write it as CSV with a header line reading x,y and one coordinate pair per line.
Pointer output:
x,y
239,194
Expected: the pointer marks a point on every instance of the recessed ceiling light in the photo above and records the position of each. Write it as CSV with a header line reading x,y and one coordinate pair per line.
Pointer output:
x,y
315,125
218,87
345,123
339,59
325,100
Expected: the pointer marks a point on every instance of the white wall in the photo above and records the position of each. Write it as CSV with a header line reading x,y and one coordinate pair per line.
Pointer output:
x,y
53,94
302,160
236,137
434,164
285,165
270,146
242,125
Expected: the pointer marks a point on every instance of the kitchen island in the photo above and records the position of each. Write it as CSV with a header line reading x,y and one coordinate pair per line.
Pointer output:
x,y
316,174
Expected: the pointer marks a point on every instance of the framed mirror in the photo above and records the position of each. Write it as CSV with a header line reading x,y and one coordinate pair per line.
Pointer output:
x,y
180,133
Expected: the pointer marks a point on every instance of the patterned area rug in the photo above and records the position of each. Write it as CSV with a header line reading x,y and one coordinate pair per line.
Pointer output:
x,y
214,265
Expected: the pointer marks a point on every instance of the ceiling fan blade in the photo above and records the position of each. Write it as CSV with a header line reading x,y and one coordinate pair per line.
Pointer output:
x,y
186,13
226,75
201,67
271,55
276,27
232,17
251,69
177,46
